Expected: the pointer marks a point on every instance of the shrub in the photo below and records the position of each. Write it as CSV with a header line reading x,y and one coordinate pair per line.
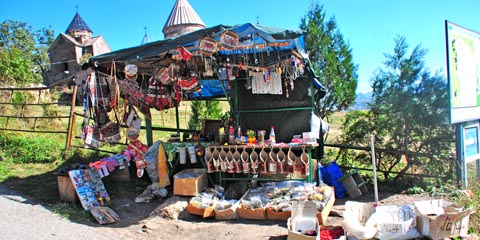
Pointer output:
x,y
30,150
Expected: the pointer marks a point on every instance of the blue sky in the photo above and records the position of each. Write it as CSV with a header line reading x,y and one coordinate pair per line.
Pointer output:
x,y
369,26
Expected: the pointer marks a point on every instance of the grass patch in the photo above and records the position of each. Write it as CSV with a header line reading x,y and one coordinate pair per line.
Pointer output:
x,y
29,162
71,211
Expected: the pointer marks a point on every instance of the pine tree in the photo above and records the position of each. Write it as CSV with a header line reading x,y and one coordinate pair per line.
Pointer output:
x,y
331,59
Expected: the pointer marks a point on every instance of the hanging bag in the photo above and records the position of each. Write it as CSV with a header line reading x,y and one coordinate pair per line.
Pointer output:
x,y
158,96
189,85
91,137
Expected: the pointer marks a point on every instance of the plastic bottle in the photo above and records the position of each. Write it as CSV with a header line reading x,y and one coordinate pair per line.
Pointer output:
x,y
231,135
272,135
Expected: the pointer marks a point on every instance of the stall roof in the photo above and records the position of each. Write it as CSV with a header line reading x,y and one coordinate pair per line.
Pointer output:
x,y
248,33
253,38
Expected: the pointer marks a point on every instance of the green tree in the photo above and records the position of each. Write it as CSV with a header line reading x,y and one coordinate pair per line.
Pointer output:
x,y
331,59
409,113
23,52
206,109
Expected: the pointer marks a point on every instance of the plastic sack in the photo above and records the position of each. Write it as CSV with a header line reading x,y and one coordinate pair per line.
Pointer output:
x,y
331,173
152,161
152,191
315,123
360,220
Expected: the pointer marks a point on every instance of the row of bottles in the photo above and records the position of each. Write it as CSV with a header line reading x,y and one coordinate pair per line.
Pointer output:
x,y
239,136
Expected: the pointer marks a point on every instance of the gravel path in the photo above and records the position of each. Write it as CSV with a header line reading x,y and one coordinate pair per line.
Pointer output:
x,y
21,219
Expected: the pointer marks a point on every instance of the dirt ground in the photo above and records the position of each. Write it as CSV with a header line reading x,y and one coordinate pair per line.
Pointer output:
x,y
167,219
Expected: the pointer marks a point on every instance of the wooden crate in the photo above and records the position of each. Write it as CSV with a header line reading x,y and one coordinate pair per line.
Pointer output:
x,y
66,190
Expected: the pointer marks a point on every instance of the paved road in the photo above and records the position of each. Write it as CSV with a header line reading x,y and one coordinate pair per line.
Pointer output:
x,y
22,219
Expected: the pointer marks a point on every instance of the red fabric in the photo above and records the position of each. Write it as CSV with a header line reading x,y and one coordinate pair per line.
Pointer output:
x,y
331,233
186,55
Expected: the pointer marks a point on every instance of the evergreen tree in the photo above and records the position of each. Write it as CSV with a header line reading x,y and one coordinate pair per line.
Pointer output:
x,y
331,60
409,113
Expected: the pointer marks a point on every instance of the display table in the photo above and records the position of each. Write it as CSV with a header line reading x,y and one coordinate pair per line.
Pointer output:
x,y
248,161
174,155
262,163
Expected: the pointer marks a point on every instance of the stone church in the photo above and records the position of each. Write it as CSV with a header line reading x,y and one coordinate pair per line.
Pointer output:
x,y
71,49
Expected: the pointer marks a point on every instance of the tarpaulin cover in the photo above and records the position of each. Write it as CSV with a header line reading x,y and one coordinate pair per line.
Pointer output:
x,y
211,88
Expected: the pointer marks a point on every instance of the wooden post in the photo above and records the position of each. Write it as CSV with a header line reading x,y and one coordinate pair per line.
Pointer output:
x,y
39,95
71,119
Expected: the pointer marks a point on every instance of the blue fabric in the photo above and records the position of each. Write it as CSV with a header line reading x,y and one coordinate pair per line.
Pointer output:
x,y
331,174
211,88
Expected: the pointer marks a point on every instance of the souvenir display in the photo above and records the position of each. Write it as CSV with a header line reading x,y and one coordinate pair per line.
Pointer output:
x,y
279,161
138,149
89,188
104,215
101,97
134,95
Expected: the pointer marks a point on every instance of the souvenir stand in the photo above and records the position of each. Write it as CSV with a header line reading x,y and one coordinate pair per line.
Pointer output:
x,y
264,74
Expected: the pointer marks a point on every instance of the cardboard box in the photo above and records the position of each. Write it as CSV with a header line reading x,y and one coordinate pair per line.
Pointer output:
x,y
310,137
227,214
396,222
282,216
189,182
248,213
322,216
303,219
440,219
204,212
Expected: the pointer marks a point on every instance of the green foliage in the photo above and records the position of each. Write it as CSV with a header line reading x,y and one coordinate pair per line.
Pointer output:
x,y
473,201
415,190
30,150
4,170
23,52
331,58
203,110
72,212
19,100
409,113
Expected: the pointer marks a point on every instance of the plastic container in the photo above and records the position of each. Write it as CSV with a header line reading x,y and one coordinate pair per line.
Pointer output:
x,y
192,153
182,154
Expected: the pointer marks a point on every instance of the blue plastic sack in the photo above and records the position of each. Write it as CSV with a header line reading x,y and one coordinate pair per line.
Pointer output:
x,y
331,173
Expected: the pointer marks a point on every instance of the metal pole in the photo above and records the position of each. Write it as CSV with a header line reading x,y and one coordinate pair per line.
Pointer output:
x,y
372,143
148,126
177,120
461,170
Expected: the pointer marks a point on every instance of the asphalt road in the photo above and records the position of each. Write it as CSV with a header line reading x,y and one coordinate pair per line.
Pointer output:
x,y
22,219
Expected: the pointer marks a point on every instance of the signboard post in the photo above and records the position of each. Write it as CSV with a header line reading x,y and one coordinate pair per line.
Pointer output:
x,y
463,70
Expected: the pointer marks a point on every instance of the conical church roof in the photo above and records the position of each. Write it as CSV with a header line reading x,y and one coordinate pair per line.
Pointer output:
x,y
146,39
78,25
182,14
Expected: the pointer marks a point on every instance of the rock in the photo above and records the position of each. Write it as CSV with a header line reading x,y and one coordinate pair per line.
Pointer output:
x,y
171,209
